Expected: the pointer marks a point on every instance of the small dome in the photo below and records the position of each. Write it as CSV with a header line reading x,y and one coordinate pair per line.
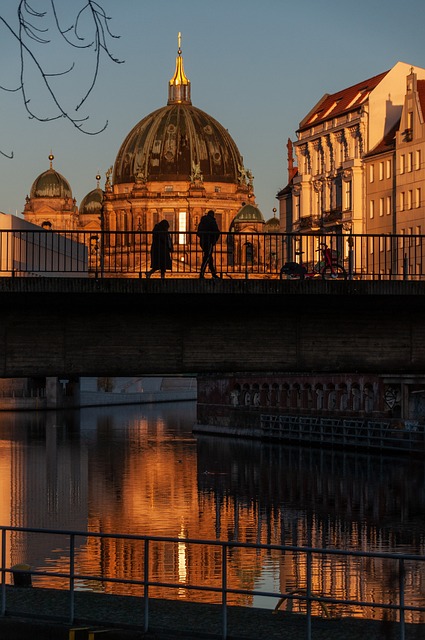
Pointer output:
x,y
50,184
272,225
249,213
92,202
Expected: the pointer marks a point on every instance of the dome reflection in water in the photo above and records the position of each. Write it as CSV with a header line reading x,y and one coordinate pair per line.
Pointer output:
x,y
140,470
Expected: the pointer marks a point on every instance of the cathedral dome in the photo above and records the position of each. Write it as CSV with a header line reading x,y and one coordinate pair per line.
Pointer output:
x,y
178,142
249,213
91,204
272,225
50,184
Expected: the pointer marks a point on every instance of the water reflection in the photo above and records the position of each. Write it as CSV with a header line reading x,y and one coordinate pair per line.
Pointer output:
x,y
139,470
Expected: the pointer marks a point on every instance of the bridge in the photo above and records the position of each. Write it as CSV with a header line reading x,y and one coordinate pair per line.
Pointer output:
x,y
85,326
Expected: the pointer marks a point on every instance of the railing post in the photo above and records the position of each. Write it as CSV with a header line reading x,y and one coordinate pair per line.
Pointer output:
x,y
3,571
405,267
71,578
401,597
224,591
146,585
308,603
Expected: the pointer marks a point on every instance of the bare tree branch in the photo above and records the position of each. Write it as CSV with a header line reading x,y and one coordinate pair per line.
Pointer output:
x,y
33,29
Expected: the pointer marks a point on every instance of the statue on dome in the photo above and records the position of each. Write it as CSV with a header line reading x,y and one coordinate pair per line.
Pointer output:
x,y
140,176
242,179
196,175
108,184
250,178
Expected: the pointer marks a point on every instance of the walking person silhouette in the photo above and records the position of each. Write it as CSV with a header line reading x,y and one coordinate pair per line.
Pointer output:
x,y
161,248
208,234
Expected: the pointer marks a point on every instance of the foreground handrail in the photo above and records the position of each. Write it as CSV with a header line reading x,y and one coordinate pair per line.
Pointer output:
x,y
308,596
127,254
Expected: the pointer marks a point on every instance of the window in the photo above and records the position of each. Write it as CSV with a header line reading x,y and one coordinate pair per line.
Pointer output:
x,y
388,169
418,233
297,201
168,187
217,189
371,173
371,209
381,170
182,227
417,197
409,199
381,243
331,108
402,163
410,161
402,201
418,159
169,216
347,202
381,206
388,199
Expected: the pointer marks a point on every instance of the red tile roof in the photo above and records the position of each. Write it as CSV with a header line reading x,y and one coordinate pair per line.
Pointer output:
x,y
335,104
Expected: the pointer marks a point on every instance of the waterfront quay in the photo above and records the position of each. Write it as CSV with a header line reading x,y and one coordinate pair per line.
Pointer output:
x,y
203,607
121,618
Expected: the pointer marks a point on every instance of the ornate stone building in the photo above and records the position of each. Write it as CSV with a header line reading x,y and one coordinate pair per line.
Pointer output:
x,y
327,190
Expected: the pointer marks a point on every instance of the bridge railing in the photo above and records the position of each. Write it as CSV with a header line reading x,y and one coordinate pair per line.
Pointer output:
x,y
236,255
400,603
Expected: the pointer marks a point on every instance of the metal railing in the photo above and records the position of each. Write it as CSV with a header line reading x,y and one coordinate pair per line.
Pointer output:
x,y
350,433
403,568
236,255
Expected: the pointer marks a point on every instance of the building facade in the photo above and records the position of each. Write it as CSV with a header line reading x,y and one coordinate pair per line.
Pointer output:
x,y
395,183
358,159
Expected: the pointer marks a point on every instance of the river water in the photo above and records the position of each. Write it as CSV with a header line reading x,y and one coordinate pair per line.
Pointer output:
x,y
140,470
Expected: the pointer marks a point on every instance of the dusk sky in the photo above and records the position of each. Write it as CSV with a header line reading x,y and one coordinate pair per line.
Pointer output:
x,y
257,67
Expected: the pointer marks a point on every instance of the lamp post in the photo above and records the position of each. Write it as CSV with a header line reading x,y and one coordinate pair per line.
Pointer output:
x,y
347,226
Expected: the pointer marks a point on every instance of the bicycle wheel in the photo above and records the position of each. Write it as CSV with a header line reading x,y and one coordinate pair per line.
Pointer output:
x,y
334,272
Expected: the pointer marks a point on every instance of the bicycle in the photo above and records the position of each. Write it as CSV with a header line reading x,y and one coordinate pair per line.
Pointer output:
x,y
328,268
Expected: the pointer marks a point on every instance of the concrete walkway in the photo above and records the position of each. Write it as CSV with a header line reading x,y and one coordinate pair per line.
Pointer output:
x,y
168,619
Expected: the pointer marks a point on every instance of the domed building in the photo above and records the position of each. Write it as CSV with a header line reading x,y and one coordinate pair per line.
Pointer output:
x,y
50,203
176,164
90,212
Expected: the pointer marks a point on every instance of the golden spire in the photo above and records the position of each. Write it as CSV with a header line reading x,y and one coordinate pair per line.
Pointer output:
x,y
51,158
179,85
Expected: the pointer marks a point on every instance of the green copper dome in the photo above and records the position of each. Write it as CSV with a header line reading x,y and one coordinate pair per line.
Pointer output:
x,y
51,184
92,202
249,213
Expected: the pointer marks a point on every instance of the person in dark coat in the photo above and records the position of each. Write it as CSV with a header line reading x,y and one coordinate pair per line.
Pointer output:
x,y
161,248
208,234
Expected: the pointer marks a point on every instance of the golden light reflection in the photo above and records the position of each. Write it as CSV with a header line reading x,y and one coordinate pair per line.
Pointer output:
x,y
182,560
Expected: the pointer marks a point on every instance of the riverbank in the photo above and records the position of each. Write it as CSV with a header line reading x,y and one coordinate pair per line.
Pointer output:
x,y
123,618
94,392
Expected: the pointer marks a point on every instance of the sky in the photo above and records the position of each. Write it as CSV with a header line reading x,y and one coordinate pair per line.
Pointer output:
x,y
256,66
